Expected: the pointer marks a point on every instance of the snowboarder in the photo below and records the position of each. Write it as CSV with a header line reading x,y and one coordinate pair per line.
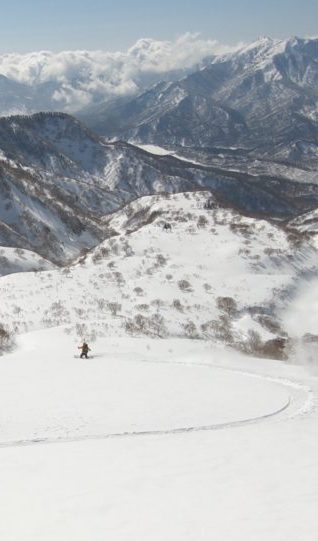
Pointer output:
x,y
85,349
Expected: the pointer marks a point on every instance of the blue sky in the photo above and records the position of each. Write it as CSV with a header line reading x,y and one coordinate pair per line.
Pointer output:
x,y
28,25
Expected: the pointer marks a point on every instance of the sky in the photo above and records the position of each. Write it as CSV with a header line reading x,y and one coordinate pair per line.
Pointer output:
x,y
56,25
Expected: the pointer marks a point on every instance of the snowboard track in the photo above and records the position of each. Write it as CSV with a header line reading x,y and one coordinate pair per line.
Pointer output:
x,y
307,406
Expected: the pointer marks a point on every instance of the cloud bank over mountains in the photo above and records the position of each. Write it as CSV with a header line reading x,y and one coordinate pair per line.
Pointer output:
x,y
74,79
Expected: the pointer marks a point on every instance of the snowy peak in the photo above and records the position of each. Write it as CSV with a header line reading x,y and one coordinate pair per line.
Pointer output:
x,y
294,59
255,52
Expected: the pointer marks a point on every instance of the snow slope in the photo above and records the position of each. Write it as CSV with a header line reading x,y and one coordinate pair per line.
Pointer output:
x,y
215,275
14,260
83,471
158,394
157,436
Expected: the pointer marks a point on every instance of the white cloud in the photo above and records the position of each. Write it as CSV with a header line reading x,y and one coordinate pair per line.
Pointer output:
x,y
80,77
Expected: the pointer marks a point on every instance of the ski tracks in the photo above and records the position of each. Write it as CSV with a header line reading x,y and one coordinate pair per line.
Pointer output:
x,y
301,401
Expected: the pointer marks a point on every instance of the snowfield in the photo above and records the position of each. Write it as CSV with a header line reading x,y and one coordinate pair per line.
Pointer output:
x,y
85,402
148,439
167,431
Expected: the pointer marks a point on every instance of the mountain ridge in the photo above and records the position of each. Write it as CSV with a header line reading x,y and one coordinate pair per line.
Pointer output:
x,y
262,97
58,180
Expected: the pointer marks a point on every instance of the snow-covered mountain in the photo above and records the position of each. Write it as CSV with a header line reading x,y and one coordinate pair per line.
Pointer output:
x,y
174,262
215,274
261,99
58,180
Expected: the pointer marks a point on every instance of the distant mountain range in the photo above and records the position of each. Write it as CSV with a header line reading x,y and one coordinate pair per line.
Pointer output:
x,y
244,127
261,100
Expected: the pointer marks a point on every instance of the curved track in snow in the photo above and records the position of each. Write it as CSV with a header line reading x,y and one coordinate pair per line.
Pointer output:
x,y
300,401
